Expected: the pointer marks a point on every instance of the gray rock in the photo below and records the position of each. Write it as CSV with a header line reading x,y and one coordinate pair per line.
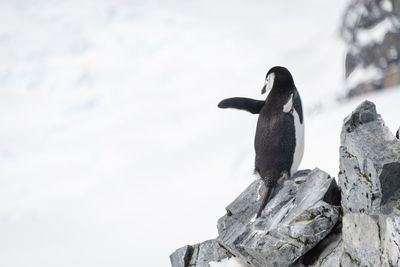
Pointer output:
x,y
294,221
369,162
390,239
371,240
333,257
361,238
370,181
181,257
300,214
199,255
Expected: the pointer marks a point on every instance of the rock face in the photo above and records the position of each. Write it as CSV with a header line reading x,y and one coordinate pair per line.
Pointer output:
x,y
371,30
304,224
370,181
369,162
295,220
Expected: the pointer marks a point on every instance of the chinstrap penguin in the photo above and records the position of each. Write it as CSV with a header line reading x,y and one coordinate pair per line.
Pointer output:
x,y
279,139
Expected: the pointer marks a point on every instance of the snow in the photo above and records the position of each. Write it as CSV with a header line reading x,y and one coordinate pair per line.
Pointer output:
x,y
356,12
386,5
363,75
113,152
375,34
228,262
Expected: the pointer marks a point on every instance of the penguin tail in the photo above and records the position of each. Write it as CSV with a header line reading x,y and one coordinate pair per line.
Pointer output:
x,y
265,200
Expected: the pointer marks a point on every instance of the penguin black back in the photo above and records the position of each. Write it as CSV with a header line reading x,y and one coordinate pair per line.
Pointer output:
x,y
275,140
279,135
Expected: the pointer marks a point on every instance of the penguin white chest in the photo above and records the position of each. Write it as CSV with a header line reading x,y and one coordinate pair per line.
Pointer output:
x,y
299,135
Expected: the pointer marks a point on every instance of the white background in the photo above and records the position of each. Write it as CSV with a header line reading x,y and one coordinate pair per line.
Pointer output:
x,y
112,149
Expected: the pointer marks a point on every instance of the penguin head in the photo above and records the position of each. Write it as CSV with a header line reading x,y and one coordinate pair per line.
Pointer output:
x,y
277,77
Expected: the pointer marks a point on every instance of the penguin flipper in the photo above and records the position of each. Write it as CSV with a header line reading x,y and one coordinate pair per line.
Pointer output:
x,y
251,105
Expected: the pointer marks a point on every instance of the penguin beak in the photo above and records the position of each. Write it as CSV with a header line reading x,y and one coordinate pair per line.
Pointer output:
x,y
264,89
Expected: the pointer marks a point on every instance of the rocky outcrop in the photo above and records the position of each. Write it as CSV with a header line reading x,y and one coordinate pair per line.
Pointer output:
x,y
370,162
301,213
304,223
294,221
371,30
370,181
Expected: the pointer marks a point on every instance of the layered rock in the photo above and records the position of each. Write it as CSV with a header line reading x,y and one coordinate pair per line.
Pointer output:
x,y
300,215
370,181
302,212
371,30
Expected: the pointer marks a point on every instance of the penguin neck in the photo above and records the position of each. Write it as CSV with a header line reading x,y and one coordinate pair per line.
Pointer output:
x,y
282,92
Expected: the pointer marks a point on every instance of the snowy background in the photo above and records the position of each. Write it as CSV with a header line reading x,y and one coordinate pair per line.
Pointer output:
x,y
112,149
